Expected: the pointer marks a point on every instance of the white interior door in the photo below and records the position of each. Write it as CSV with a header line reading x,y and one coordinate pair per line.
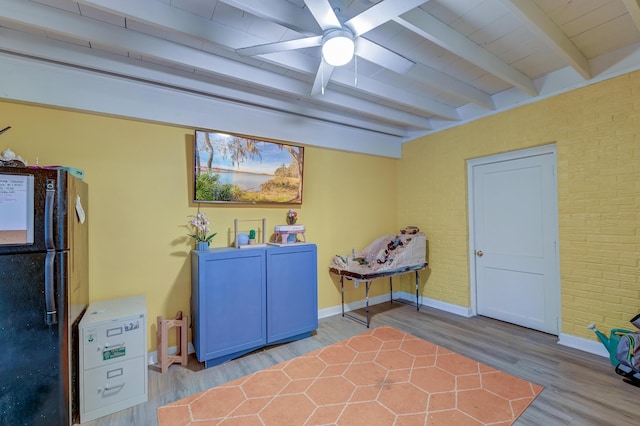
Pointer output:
x,y
514,227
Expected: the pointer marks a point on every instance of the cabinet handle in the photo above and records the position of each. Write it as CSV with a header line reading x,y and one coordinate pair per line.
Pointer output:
x,y
108,346
110,388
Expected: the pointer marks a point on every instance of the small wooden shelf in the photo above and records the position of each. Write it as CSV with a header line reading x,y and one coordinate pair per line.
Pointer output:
x,y
259,242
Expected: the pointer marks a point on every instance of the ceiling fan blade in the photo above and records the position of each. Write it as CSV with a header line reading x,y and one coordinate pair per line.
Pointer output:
x,y
280,46
323,14
322,78
382,56
379,14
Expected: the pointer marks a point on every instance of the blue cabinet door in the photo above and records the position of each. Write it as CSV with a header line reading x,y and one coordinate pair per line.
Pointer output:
x,y
292,291
229,302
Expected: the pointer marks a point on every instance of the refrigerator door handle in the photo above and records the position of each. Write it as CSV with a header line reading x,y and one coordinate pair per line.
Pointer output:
x,y
48,214
51,314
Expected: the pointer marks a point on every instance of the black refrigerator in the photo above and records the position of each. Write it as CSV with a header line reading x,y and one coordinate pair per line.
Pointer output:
x,y
43,293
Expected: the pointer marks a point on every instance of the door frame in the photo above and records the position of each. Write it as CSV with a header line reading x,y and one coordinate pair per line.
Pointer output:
x,y
507,156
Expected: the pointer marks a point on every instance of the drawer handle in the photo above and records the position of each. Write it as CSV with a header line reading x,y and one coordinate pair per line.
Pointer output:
x,y
110,388
108,346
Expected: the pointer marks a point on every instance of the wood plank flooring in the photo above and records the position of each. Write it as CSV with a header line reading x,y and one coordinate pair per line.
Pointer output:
x,y
580,388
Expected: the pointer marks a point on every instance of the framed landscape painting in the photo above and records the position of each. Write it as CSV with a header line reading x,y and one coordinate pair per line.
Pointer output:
x,y
232,168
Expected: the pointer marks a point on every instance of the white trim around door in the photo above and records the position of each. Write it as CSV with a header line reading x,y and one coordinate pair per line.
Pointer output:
x,y
553,198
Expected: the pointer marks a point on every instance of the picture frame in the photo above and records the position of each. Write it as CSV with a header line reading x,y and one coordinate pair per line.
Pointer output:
x,y
233,168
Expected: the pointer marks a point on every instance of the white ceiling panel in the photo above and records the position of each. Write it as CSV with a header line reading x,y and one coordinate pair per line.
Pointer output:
x,y
203,8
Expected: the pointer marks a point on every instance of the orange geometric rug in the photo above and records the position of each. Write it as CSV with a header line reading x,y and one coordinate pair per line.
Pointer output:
x,y
380,377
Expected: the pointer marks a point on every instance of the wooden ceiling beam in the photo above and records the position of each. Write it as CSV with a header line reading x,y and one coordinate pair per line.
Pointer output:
x,y
546,30
633,6
427,26
281,12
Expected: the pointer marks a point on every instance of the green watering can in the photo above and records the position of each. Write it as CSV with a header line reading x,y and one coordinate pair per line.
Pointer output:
x,y
611,343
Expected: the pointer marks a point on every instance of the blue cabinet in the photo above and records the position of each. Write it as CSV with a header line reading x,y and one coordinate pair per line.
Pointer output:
x,y
244,299
292,292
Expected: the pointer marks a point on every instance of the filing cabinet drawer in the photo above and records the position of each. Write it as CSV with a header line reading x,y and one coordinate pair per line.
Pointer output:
x,y
120,383
105,344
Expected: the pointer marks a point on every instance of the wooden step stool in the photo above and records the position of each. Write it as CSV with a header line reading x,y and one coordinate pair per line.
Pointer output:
x,y
181,324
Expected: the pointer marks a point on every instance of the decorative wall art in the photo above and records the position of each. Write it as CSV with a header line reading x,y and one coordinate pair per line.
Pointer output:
x,y
232,168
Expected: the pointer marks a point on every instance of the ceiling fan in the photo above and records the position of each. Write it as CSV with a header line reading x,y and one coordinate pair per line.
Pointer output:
x,y
341,41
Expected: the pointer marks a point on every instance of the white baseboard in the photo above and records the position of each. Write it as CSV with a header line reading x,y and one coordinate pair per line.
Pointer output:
x,y
585,345
152,357
358,304
438,304
424,301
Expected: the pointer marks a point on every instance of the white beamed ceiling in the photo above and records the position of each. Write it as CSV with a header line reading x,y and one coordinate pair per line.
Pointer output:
x,y
175,61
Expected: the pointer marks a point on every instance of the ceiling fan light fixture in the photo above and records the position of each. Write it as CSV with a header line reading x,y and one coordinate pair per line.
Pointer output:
x,y
338,47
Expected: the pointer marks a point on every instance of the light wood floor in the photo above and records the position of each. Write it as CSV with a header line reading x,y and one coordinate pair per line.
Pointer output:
x,y
580,388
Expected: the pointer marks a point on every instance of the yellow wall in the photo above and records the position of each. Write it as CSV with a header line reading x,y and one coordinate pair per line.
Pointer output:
x,y
139,180
597,133
139,202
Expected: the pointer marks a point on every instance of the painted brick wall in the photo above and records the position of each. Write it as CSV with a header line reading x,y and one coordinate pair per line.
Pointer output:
x,y
597,133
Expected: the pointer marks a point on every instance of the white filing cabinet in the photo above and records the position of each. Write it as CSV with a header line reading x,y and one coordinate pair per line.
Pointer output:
x,y
113,368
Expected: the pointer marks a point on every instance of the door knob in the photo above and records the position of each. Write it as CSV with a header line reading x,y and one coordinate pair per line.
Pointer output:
x,y
479,253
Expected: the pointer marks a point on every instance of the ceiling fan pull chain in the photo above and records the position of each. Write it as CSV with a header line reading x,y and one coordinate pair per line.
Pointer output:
x,y
355,79
322,76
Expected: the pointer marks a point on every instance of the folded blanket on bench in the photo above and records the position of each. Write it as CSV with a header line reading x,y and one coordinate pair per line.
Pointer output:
x,y
389,253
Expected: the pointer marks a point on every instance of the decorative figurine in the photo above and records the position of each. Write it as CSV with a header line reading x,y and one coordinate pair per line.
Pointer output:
x,y
292,217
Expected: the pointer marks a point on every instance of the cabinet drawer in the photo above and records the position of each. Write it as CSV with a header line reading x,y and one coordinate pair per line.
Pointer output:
x,y
113,342
116,384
